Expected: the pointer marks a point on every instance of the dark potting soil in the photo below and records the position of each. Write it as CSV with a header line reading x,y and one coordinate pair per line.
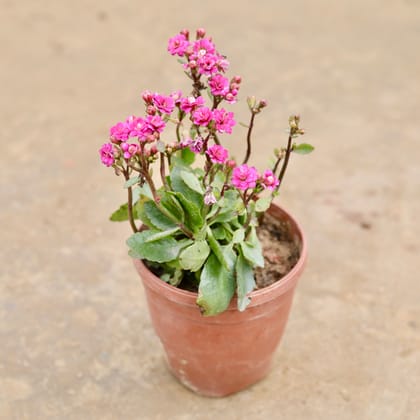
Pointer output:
x,y
280,252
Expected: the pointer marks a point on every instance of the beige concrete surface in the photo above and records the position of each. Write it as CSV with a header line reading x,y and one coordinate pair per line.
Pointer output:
x,y
75,337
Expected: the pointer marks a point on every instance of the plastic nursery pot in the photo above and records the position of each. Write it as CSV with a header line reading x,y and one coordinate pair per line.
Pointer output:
x,y
220,355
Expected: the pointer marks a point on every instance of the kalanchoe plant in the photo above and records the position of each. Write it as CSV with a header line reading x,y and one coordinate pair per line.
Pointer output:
x,y
201,219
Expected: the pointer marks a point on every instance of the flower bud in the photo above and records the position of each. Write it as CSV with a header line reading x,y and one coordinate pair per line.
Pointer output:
x,y
201,33
230,97
185,32
237,79
147,96
251,102
262,104
231,163
151,110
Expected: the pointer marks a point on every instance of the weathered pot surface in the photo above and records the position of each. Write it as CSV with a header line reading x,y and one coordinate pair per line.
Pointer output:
x,y
220,355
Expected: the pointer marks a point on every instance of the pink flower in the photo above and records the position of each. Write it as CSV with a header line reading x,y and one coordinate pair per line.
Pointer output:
x,y
204,46
107,154
224,120
269,180
137,127
219,85
129,150
217,154
164,104
119,132
202,116
195,145
178,45
244,177
207,64
190,103
155,123
209,197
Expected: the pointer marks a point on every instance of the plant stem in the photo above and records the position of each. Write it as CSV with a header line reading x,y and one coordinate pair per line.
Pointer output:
x,y
162,170
248,138
178,125
286,161
130,203
277,163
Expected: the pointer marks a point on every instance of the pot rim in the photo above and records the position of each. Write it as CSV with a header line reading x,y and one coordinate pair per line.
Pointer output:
x,y
258,297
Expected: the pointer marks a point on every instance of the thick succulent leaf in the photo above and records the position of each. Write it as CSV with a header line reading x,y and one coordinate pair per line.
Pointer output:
x,y
169,201
238,235
192,181
263,204
121,215
193,218
252,250
187,156
193,257
179,185
216,248
131,181
163,234
217,286
245,282
303,148
161,250
152,217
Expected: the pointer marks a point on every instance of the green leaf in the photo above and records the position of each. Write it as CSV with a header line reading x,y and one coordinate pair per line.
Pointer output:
x,y
131,181
121,215
179,185
163,234
245,282
303,148
193,218
252,250
263,204
219,232
187,156
172,205
143,190
193,257
216,248
152,217
192,181
217,286
161,250
238,236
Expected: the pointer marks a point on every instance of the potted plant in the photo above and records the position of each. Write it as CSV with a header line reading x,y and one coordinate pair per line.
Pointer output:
x,y
218,298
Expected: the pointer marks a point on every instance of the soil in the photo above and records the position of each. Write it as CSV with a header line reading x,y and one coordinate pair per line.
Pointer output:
x,y
280,252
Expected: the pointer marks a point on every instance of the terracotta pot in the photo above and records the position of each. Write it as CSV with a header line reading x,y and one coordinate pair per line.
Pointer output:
x,y
219,355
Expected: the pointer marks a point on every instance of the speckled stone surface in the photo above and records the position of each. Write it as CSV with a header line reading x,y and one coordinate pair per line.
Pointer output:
x,y
75,336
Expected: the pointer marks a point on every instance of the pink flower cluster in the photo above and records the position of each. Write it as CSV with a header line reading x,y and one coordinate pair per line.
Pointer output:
x,y
222,119
220,86
145,129
201,54
244,177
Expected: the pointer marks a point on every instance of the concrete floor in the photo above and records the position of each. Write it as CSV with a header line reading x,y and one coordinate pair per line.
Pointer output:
x,y
75,337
